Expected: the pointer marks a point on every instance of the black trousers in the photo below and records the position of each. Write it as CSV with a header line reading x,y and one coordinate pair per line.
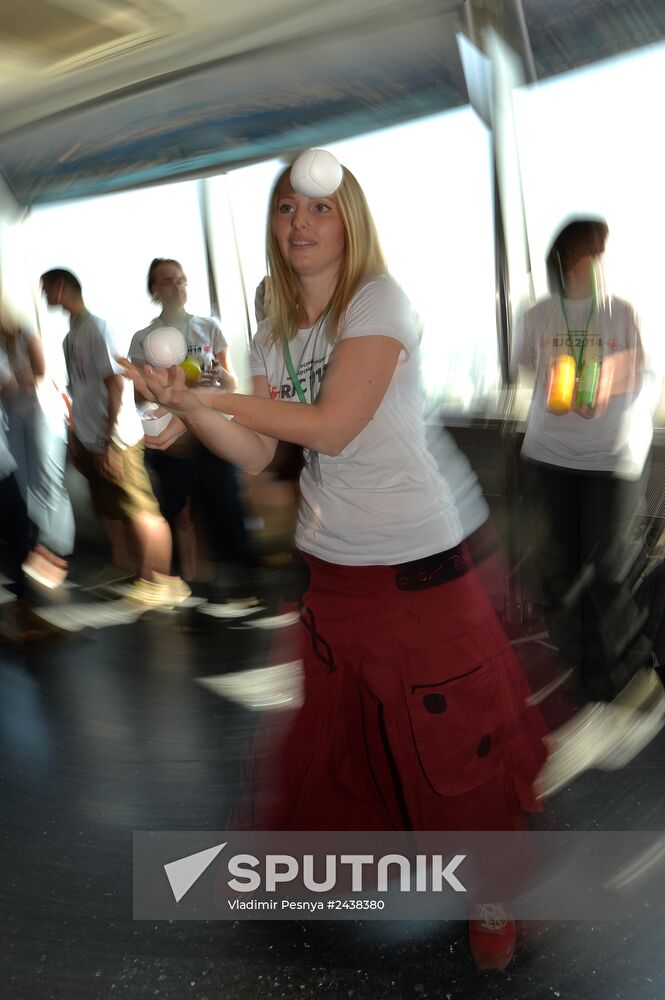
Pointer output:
x,y
16,530
212,484
580,525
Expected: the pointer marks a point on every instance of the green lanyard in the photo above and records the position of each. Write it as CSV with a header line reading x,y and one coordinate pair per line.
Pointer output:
x,y
291,368
292,374
586,326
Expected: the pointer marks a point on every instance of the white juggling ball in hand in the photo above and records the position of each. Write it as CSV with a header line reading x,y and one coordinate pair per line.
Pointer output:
x,y
164,347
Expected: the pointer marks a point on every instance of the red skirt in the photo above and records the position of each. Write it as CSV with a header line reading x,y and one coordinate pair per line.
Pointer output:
x,y
415,712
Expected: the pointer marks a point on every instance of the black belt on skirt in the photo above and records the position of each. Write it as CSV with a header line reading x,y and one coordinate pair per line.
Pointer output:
x,y
431,571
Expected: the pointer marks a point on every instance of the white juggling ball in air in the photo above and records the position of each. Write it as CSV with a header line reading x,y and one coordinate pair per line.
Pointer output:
x,y
164,347
316,174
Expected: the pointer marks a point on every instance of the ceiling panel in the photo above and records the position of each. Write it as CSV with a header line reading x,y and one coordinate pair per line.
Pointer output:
x,y
243,81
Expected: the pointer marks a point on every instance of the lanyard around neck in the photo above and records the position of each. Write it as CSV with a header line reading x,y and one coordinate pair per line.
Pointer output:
x,y
291,368
594,302
292,374
586,325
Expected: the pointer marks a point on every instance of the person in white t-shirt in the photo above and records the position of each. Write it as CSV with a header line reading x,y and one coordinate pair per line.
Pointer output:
x,y
585,452
415,711
106,443
193,482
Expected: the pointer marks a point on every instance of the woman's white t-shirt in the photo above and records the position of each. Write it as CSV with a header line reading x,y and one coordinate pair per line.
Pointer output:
x,y
382,500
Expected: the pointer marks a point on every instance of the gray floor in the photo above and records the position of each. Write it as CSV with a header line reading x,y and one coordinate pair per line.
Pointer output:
x,y
106,731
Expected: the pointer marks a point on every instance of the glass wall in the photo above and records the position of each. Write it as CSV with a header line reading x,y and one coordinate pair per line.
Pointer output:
x,y
237,204
588,142
109,242
428,184
591,142
429,187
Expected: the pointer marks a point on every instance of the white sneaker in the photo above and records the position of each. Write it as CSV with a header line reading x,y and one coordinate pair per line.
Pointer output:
x,y
101,614
277,687
605,735
271,622
165,592
240,608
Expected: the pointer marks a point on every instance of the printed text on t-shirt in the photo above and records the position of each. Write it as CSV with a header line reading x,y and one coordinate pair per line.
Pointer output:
x,y
310,373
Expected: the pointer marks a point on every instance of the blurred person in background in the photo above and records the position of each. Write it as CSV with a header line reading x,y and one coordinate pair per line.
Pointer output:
x,y
18,623
38,441
415,711
585,453
106,444
275,494
196,488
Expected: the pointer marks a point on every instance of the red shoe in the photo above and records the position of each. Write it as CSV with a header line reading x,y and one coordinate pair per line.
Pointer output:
x,y
492,936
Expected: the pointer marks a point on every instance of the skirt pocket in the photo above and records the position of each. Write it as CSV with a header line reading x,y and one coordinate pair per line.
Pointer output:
x,y
456,724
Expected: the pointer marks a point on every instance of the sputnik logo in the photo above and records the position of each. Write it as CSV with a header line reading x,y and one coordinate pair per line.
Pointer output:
x,y
281,868
183,873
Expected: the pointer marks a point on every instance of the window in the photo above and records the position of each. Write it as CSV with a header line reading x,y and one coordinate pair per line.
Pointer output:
x,y
108,242
590,142
429,187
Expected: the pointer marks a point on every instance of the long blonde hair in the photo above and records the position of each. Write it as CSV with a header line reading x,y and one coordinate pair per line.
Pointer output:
x,y
362,259
10,330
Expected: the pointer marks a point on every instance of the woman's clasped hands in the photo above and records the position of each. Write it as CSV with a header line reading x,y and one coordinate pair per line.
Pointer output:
x,y
166,386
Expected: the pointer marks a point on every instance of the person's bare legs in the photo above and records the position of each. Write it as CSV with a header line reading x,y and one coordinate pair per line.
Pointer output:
x,y
154,544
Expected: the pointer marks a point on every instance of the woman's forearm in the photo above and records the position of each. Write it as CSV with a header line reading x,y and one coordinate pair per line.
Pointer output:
x,y
276,418
228,439
357,378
